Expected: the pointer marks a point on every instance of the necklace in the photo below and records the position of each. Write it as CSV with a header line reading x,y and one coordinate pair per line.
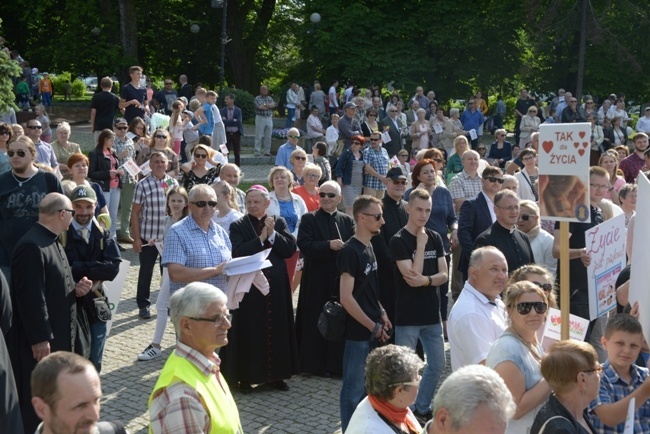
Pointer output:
x,y
532,348
20,183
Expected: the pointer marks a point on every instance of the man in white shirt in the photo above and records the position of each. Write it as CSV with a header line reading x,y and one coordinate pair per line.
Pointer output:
x,y
643,124
478,317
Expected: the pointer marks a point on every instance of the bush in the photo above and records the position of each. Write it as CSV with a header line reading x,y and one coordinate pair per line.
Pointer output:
x,y
243,100
78,86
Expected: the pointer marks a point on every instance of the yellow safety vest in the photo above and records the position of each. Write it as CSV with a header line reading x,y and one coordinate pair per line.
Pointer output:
x,y
221,407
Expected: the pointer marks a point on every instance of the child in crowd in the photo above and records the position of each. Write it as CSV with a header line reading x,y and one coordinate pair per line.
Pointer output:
x,y
190,135
621,379
176,125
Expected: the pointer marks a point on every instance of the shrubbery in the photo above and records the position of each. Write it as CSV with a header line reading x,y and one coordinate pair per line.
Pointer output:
x,y
243,100
78,86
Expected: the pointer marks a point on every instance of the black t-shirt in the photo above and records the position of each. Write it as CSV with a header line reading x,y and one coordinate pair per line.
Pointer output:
x,y
421,305
358,260
105,105
577,270
129,93
166,99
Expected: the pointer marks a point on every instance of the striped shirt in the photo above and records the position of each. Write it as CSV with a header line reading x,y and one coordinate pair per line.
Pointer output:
x,y
189,245
263,100
151,194
119,146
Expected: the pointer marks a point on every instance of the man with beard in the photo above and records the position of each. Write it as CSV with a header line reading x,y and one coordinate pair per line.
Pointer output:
x,y
367,322
320,239
632,164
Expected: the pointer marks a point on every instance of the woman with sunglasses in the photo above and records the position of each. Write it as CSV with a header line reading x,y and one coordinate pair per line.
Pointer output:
x,y
196,171
298,159
541,242
349,172
516,355
572,370
104,170
6,134
370,125
501,150
529,125
160,141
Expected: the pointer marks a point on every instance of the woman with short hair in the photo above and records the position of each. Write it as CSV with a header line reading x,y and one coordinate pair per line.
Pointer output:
x,y
392,382
298,159
63,149
501,150
453,128
529,125
572,371
420,130
370,125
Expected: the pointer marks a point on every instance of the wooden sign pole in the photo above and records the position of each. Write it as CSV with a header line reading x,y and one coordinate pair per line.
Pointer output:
x,y
564,279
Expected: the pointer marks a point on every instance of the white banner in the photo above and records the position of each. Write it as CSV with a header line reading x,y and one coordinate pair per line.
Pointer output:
x,y
577,328
641,255
564,172
114,292
605,244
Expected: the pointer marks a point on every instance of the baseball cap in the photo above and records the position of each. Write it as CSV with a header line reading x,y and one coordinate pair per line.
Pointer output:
x,y
396,172
118,121
83,192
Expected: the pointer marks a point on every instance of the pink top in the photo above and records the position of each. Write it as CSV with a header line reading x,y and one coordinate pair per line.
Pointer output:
x,y
618,184
115,180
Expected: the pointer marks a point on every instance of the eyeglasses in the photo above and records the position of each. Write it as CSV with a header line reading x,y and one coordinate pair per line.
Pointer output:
x,y
35,127
161,136
166,83
526,217
300,158
203,203
494,179
121,128
403,155
528,158
71,211
599,186
313,175
293,137
525,307
545,286
509,208
4,132
376,216
399,181
200,155
597,369
330,195
217,321
20,153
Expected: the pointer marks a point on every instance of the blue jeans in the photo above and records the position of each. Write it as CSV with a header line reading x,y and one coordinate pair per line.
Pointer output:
x,y
353,388
434,348
97,342
291,112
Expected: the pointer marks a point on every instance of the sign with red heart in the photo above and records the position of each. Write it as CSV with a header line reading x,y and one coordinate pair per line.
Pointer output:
x,y
564,171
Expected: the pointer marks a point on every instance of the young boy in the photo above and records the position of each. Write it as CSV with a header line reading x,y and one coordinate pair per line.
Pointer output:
x,y
621,379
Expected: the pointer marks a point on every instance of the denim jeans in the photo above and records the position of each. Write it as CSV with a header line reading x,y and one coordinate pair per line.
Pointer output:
x,y
291,112
434,348
353,388
97,342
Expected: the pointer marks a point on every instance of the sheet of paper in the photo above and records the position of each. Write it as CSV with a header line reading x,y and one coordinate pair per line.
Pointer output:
x,y
472,134
131,167
146,170
247,264
385,137
437,128
224,149
114,291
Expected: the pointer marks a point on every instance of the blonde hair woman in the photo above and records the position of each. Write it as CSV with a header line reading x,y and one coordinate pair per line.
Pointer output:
x,y
160,141
227,208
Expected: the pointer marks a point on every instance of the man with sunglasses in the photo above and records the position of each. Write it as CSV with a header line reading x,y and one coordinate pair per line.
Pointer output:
x,y
165,97
393,125
21,190
44,152
43,293
376,167
348,124
197,249
283,157
191,394
503,233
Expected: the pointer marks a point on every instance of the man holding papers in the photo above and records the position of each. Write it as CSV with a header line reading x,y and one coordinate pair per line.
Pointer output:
x,y
196,248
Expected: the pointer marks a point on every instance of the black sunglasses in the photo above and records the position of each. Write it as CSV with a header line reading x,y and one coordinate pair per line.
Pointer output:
x,y
71,211
494,179
481,149
300,158
203,203
545,286
121,128
161,136
376,216
330,195
399,181
35,127
20,153
373,140
200,156
525,307
524,217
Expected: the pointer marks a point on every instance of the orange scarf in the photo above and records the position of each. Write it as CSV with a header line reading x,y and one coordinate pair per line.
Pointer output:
x,y
398,416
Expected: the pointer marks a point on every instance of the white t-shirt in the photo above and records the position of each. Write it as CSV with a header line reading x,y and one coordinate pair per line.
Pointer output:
x,y
227,220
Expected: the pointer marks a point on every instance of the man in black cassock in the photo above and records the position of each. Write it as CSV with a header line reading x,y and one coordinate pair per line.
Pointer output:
x,y
321,236
262,346
43,294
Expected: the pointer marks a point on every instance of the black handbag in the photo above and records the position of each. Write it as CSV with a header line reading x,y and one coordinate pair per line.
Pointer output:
x,y
331,321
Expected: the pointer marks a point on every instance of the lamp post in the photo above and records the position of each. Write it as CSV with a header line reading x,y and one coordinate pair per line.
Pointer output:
x,y
195,29
96,31
315,19
222,4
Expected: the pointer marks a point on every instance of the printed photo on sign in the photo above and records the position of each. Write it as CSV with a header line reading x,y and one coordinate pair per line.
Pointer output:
x,y
563,159
552,329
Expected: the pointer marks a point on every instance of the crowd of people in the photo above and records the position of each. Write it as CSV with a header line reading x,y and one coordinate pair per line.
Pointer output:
x,y
386,211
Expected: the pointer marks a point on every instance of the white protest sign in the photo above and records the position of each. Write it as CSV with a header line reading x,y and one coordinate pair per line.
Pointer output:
x,y
437,128
385,137
131,167
629,419
605,244
146,170
564,172
641,255
577,328
394,161
114,292
472,134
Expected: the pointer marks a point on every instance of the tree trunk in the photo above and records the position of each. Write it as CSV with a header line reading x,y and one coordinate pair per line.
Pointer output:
x,y
128,32
581,51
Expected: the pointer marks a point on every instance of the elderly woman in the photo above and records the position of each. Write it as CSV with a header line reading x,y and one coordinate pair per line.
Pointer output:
x,y
309,191
318,98
609,162
510,183
349,172
63,149
597,137
516,355
160,141
455,163
103,169
528,176
529,125
392,382
6,134
572,371
196,172
298,159
540,241
262,331
437,123
453,128
501,150
78,168
628,197
319,155
370,125
420,130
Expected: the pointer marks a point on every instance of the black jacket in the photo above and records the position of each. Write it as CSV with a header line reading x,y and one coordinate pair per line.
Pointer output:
x,y
99,169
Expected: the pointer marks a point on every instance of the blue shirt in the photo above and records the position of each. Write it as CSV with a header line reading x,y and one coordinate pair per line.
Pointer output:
x,y
289,214
378,160
208,128
283,158
471,121
189,245
45,154
613,389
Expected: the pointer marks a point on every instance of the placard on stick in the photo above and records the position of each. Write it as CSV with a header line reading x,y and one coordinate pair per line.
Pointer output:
x,y
641,255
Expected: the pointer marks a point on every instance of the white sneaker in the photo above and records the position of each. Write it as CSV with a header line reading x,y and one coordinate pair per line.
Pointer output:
x,y
150,353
